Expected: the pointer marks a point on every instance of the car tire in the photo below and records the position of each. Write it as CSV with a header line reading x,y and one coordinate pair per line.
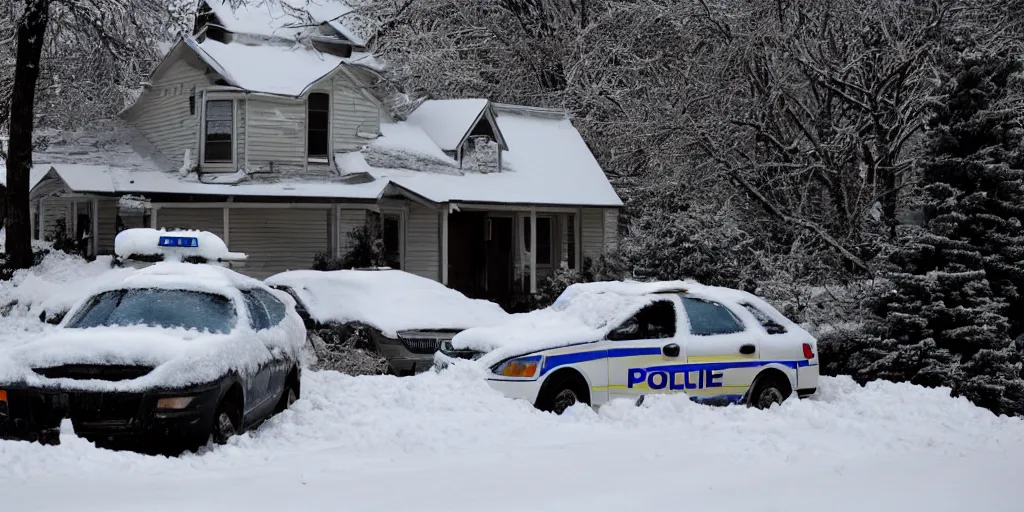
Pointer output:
x,y
227,422
769,390
558,395
289,395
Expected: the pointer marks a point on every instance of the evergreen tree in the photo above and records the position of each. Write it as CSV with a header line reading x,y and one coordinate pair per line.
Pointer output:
x,y
951,314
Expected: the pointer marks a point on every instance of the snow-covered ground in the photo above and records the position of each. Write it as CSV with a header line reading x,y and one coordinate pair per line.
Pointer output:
x,y
447,442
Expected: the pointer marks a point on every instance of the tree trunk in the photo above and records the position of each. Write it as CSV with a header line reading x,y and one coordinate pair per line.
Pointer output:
x,y
31,31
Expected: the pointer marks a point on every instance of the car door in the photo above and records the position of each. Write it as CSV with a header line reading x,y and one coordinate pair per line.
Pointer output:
x,y
258,389
722,354
282,362
644,351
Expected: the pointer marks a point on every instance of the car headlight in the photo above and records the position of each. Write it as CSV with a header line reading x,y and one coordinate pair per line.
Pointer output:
x,y
522,367
175,403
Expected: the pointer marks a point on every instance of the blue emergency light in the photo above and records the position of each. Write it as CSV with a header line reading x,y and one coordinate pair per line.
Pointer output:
x,y
179,241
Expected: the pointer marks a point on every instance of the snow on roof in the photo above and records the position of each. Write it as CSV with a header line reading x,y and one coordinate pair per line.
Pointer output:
x,y
270,68
113,180
549,161
35,175
446,122
390,300
287,18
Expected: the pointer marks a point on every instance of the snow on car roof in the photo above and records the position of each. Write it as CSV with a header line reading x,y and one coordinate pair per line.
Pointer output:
x,y
586,312
390,300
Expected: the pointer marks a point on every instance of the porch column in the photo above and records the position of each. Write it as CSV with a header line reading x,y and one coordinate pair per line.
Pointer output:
x,y
32,209
42,221
533,250
445,209
95,227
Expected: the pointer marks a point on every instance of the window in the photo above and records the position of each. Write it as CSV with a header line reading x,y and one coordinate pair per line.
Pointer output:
x,y
709,318
275,308
766,321
543,239
317,124
157,308
654,321
258,317
219,129
391,228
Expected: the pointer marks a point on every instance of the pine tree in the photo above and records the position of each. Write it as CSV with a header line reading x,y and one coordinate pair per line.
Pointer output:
x,y
949,317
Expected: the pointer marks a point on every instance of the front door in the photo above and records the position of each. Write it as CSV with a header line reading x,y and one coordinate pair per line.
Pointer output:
x,y
500,239
645,351
720,349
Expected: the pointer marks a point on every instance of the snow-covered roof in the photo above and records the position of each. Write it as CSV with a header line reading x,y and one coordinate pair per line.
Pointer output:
x,y
102,179
287,18
548,162
390,300
268,68
447,122
35,175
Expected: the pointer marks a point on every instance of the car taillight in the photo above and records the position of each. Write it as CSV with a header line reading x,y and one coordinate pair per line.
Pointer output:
x,y
808,353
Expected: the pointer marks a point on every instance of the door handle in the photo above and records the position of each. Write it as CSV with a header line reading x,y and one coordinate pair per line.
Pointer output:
x,y
670,350
747,349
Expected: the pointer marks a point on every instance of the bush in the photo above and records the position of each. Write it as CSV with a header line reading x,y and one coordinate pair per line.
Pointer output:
x,y
367,250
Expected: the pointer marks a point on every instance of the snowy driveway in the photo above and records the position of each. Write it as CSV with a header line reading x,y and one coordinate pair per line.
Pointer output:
x,y
448,443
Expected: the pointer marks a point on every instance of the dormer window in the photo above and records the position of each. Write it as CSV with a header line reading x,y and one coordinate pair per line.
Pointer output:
x,y
318,119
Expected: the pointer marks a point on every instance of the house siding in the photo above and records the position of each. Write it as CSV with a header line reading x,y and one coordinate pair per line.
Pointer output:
x,y
204,219
592,232
278,240
422,242
351,113
106,224
277,134
163,114
54,209
611,229
348,219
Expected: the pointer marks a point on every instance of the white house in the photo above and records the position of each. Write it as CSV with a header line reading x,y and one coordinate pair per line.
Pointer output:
x,y
265,127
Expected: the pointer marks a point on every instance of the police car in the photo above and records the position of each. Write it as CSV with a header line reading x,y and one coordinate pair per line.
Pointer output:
x,y
164,357
626,340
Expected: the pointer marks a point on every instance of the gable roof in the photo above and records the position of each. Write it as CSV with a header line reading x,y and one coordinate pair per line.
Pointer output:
x,y
548,164
287,18
287,70
449,122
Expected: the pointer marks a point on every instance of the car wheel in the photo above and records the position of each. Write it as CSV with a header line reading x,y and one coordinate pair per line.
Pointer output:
x,y
289,396
561,394
226,422
768,392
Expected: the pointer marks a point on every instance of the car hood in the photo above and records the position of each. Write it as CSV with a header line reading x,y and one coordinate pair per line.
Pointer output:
x,y
178,358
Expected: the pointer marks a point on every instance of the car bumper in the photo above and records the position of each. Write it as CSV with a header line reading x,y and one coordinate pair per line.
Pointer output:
x,y
108,416
807,379
521,389
402,360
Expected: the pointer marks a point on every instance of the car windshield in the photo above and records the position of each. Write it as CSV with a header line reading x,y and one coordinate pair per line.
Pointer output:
x,y
158,308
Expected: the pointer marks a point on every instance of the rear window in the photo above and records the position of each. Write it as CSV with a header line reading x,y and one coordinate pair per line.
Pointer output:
x,y
170,309
766,321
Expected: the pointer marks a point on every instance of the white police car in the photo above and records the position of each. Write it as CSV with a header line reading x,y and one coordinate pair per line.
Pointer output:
x,y
603,341
159,358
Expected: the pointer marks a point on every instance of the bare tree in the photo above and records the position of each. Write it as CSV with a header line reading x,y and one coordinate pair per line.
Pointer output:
x,y
67,43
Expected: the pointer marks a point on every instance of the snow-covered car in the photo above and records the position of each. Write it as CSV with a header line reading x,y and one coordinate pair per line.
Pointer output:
x,y
404,318
162,358
604,341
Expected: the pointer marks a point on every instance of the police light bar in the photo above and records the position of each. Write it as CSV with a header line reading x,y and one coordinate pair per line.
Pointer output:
x,y
146,244
178,241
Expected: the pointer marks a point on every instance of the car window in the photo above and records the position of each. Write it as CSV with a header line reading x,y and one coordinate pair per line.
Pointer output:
x,y
766,321
275,308
654,321
258,317
157,308
709,318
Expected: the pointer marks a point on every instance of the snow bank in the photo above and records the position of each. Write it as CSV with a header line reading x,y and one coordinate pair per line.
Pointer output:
x,y
57,283
390,300
892,443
